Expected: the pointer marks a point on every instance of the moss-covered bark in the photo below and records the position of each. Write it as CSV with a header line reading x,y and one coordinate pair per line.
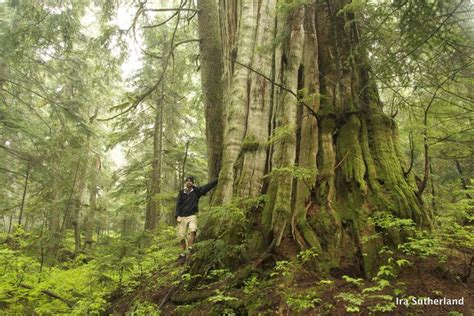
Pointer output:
x,y
284,154
237,99
327,159
308,130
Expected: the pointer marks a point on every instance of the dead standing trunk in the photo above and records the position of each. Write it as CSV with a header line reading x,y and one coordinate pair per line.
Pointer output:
x,y
325,160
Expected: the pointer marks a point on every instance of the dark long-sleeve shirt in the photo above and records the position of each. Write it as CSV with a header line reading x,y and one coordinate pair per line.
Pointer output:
x,y
187,202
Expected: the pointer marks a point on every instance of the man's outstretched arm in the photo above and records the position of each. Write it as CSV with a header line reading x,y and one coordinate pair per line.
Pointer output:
x,y
208,187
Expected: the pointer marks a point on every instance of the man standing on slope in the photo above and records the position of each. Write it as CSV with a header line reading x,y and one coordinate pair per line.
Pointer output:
x,y
186,209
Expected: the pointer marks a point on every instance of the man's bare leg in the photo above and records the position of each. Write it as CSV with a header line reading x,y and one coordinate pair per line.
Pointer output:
x,y
182,243
191,239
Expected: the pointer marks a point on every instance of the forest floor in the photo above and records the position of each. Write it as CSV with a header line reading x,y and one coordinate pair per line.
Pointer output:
x,y
292,291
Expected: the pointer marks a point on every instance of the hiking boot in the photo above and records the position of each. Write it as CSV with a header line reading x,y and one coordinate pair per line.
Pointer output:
x,y
181,258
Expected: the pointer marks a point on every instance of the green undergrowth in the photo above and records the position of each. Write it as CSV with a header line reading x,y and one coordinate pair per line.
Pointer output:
x,y
132,275
291,285
83,285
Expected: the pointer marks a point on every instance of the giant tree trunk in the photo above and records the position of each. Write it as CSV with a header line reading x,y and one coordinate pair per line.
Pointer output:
x,y
211,76
304,125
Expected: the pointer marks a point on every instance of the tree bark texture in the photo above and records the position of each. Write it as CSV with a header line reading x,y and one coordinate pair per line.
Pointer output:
x,y
304,126
211,76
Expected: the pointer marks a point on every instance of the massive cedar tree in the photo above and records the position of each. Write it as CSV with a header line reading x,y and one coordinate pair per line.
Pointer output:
x,y
293,113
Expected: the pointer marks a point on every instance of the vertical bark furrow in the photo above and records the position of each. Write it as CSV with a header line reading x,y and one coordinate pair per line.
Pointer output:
x,y
285,151
236,104
349,153
308,148
250,181
326,163
399,194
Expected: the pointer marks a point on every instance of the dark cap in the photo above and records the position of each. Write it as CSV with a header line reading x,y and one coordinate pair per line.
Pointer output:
x,y
190,178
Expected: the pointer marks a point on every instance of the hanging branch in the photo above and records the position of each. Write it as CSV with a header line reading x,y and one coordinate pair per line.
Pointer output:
x,y
161,23
14,172
340,162
186,41
448,137
173,9
14,153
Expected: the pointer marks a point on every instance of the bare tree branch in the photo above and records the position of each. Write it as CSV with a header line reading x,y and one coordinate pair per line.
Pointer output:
x,y
50,294
172,9
161,23
310,110
14,172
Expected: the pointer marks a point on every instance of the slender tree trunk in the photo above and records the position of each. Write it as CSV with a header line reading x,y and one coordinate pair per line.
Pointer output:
x,y
3,72
426,151
53,232
433,191
42,247
153,207
77,201
183,166
304,125
464,180
89,222
76,204
71,195
10,222
23,198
